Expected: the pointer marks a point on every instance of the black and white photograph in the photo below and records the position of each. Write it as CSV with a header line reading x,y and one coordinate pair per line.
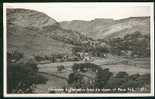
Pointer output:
x,y
78,49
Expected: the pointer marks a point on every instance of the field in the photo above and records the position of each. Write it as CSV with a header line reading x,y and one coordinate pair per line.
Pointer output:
x,y
57,79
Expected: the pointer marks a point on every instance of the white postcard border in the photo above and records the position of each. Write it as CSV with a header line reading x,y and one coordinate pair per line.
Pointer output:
x,y
83,95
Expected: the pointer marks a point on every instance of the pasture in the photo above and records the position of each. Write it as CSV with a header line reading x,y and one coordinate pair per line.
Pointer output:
x,y
58,79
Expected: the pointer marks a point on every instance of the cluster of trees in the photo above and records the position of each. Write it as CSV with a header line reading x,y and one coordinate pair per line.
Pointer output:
x,y
100,51
125,81
137,43
43,58
82,48
14,56
57,58
77,78
102,78
22,77
97,50
106,79
83,67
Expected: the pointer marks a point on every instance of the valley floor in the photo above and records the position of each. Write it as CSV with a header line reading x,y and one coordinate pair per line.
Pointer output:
x,y
57,79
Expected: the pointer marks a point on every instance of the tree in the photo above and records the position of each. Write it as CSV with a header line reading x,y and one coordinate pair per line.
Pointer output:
x,y
75,79
102,77
60,68
117,80
137,81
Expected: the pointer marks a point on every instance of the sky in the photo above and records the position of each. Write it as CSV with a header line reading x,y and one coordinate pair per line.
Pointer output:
x,y
86,11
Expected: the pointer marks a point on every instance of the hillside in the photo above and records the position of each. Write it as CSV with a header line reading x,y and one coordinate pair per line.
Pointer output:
x,y
86,27
108,28
32,32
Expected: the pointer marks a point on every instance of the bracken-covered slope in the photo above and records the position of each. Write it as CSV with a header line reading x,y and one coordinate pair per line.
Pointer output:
x,y
109,28
32,32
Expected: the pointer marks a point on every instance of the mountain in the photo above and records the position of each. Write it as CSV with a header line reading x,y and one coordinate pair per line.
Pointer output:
x,y
32,32
85,27
101,28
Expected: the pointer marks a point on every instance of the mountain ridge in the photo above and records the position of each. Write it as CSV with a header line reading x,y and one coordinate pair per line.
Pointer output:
x,y
105,28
